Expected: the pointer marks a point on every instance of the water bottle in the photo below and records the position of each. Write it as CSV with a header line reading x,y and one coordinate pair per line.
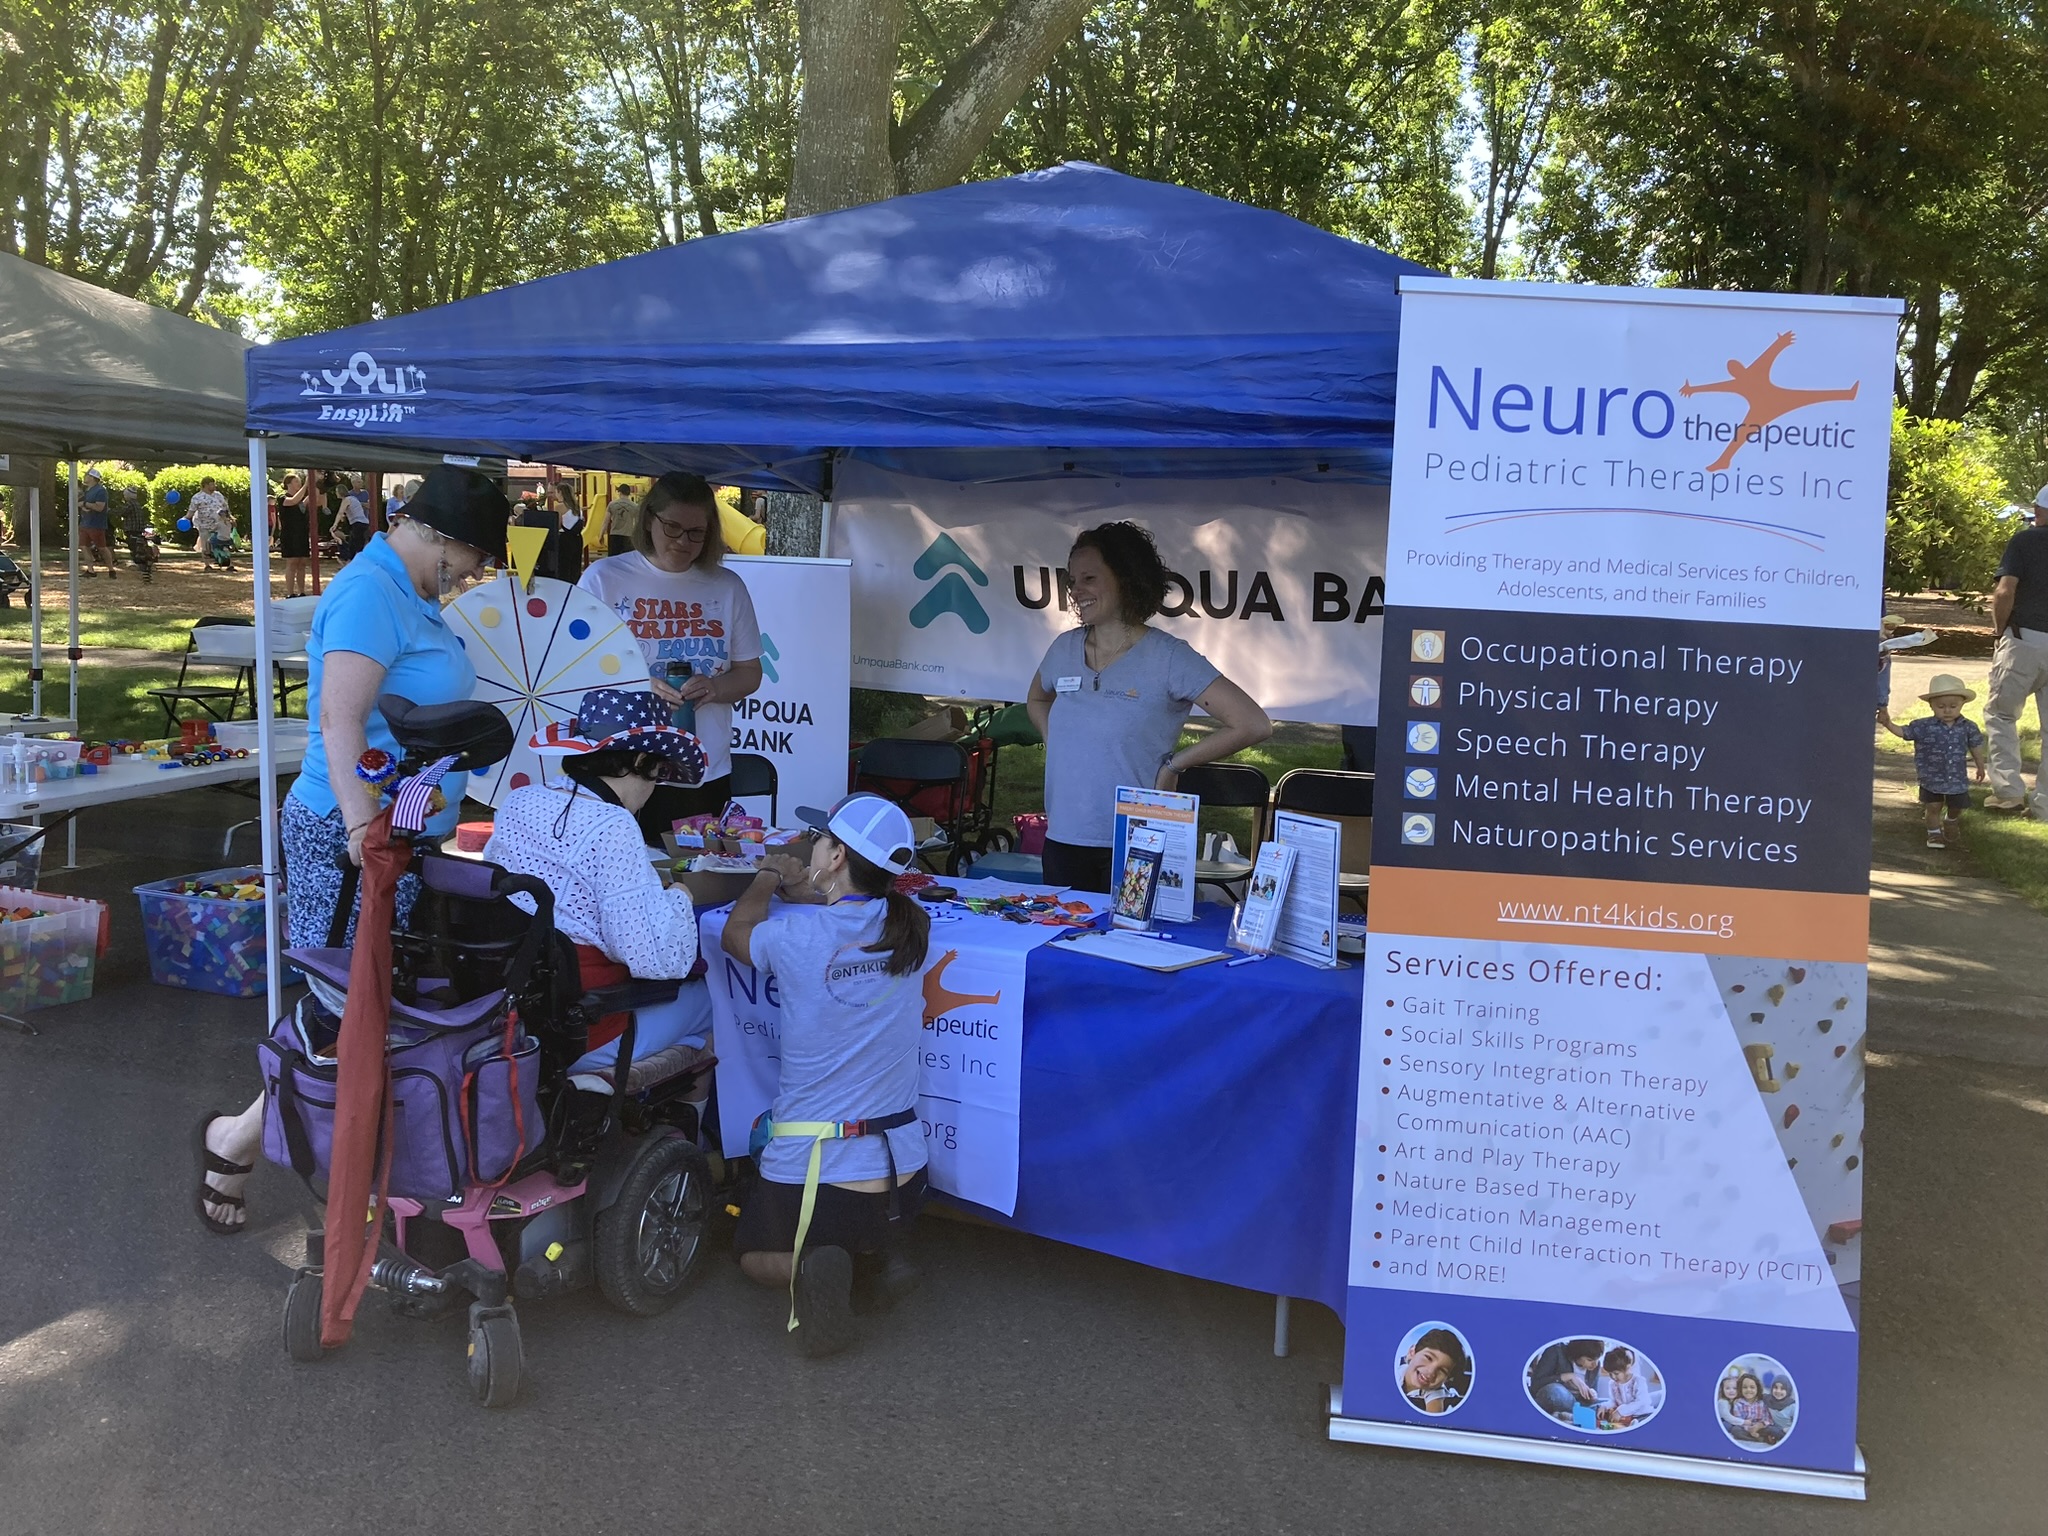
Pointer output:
x,y
685,716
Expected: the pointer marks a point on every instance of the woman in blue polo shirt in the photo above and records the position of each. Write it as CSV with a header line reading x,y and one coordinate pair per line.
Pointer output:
x,y
378,630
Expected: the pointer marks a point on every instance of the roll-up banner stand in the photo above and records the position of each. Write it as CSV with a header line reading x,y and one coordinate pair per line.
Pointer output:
x,y
798,717
1608,1191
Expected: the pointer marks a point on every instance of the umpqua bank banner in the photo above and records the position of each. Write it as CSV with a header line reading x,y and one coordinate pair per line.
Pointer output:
x,y
958,589
1608,1189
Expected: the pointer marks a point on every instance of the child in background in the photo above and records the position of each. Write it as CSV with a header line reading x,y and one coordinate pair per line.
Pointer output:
x,y
1784,1406
1941,744
1752,1414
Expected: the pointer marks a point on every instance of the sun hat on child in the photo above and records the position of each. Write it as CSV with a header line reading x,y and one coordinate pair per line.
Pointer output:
x,y
1948,685
872,827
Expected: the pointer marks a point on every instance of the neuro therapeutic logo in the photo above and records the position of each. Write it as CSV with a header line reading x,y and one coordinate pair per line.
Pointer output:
x,y
951,594
1765,401
769,656
940,1000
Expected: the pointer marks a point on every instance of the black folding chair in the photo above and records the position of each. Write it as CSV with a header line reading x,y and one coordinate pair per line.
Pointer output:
x,y
926,778
753,774
209,695
1345,798
1230,787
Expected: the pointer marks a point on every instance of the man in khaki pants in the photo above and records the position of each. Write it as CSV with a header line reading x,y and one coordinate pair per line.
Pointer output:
x,y
2019,666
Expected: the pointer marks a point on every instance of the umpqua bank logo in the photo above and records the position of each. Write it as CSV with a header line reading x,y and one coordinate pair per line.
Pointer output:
x,y
950,594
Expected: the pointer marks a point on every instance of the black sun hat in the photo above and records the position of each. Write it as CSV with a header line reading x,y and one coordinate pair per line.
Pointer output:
x,y
464,505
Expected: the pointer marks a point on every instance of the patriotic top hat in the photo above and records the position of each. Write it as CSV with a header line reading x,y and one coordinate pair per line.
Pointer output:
x,y
616,720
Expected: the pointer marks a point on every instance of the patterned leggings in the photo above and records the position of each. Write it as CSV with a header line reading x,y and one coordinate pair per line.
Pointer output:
x,y
313,846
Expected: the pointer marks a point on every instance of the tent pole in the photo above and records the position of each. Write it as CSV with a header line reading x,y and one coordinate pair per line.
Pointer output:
x,y
71,826
266,725
35,599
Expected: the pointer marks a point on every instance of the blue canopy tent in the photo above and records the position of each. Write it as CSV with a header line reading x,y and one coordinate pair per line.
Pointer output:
x,y
1069,317
1068,321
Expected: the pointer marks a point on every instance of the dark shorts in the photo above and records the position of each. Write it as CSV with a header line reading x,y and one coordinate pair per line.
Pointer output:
x,y
670,803
1076,867
856,1220
1957,804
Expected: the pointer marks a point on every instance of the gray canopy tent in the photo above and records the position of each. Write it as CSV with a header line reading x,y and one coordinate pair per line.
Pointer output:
x,y
85,373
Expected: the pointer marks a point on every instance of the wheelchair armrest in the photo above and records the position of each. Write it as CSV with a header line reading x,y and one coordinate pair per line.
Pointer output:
x,y
627,996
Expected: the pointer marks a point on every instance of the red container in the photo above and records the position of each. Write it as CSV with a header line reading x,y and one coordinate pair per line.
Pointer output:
x,y
1031,832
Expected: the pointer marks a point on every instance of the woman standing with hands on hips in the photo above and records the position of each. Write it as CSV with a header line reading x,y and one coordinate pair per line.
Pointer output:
x,y
695,623
1110,699
378,630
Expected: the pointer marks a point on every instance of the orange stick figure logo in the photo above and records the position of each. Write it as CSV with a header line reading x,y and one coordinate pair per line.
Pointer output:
x,y
940,999
1765,400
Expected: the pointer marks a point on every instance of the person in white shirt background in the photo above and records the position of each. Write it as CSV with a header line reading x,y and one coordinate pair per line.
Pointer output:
x,y
694,620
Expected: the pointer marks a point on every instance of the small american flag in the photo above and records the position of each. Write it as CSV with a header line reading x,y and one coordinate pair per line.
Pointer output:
x,y
409,805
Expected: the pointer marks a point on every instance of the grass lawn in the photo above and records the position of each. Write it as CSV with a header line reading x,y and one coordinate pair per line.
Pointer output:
x,y
126,616
2012,850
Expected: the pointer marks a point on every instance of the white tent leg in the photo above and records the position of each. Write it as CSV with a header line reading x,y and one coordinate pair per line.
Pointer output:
x,y
266,724
35,600
71,543
1282,1328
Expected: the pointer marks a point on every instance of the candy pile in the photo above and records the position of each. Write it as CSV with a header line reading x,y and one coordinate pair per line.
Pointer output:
x,y
1049,910
913,881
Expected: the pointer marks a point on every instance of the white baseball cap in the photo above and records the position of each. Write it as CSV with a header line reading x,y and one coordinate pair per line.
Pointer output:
x,y
2041,497
871,826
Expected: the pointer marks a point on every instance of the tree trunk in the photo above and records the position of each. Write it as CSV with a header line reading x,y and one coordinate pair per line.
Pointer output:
x,y
1926,352
848,106
941,140
1967,356
795,524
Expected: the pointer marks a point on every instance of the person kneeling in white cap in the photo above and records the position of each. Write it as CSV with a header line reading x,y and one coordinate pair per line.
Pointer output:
x,y
840,1154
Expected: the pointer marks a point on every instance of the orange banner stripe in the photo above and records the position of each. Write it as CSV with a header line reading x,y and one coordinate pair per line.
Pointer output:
x,y
1621,914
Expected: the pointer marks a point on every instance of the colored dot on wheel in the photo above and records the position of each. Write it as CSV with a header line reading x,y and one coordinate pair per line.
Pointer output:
x,y
608,665
491,618
578,630
537,606
520,781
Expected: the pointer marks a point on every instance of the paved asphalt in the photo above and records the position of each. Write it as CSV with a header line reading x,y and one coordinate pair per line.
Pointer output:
x,y
1029,1387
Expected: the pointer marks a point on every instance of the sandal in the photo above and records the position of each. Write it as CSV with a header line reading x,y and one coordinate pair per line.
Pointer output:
x,y
212,1162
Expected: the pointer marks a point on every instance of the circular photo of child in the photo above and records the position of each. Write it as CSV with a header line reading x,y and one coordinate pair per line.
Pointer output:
x,y
1598,1385
1756,1403
1433,1368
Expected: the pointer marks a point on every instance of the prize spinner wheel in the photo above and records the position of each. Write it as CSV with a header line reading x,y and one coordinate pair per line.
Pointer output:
x,y
536,653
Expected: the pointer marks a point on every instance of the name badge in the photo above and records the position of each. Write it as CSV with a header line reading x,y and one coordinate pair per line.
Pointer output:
x,y
1067,685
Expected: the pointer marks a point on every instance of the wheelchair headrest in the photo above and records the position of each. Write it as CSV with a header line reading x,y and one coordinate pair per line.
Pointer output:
x,y
477,733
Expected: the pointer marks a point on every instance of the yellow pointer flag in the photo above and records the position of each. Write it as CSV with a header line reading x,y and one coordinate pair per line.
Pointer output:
x,y
525,545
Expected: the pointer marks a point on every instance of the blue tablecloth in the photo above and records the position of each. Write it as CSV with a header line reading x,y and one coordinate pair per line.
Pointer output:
x,y
1200,1121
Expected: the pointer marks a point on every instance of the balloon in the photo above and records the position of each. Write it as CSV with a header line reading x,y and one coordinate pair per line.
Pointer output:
x,y
172,498
184,523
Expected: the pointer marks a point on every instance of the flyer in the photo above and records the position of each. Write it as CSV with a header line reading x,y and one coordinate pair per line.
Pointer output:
x,y
1172,816
1308,918
1608,1191
1258,921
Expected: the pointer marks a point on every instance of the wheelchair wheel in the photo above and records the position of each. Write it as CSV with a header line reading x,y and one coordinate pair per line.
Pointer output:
x,y
999,840
496,1357
302,1317
648,1244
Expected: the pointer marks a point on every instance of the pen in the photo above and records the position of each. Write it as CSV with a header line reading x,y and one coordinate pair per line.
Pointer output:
x,y
1242,960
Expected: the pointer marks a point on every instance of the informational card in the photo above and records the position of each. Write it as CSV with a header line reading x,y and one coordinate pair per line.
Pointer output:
x,y
1173,816
1258,921
1137,887
1607,1202
1308,917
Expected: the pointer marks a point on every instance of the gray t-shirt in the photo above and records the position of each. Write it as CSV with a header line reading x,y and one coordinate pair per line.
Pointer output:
x,y
850,1033
1111,728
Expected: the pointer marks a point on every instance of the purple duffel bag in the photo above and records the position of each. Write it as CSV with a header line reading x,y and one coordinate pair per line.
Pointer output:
x,y
463,1091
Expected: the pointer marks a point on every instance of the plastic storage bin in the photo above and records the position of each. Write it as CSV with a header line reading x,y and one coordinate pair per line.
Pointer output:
x,y
205,943
24,866
48,958
287,731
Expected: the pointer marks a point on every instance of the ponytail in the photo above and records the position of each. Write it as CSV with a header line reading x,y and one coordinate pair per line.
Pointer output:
x,y
906,929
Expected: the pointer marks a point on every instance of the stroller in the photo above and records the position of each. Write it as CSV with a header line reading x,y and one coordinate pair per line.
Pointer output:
x,y
12,580
504,1179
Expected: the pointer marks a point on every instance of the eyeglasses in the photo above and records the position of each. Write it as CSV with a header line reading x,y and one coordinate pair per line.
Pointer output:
x,y
681,534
